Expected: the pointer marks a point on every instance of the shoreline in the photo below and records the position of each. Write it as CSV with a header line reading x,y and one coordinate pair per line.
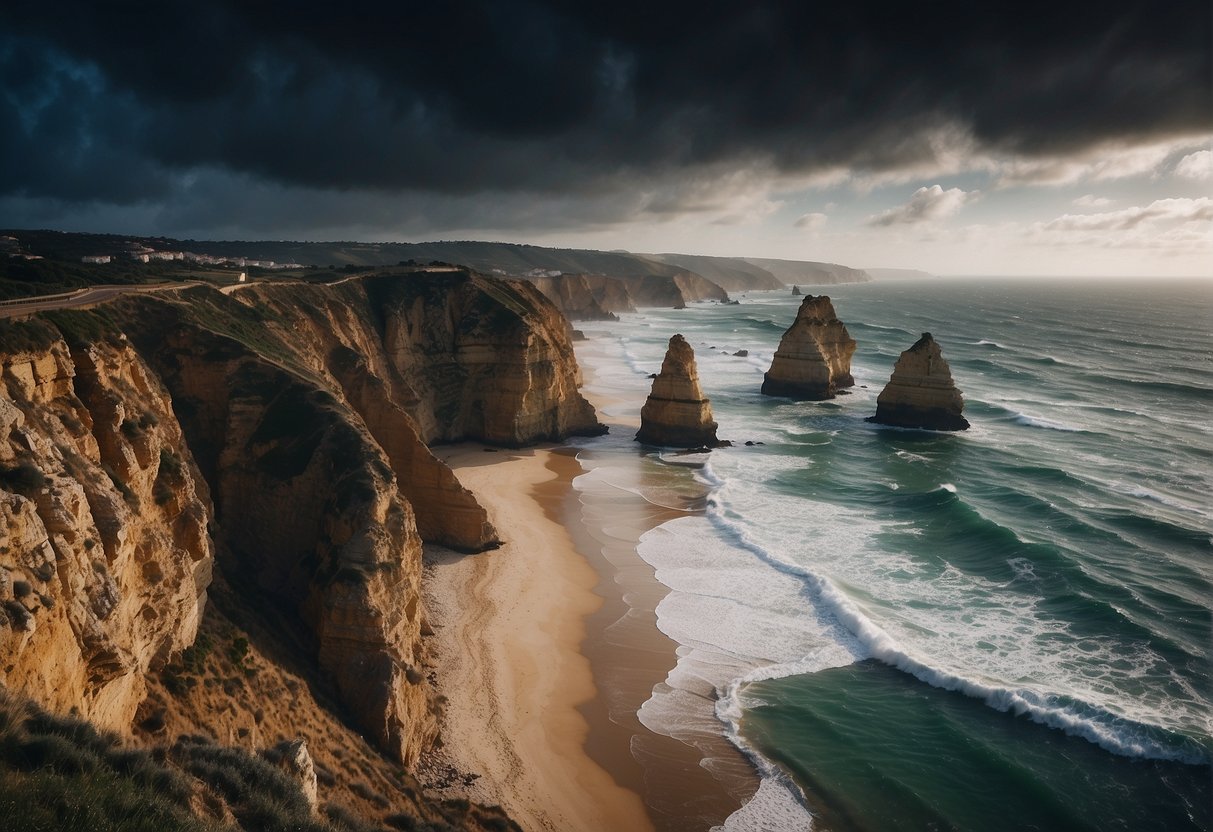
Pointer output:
x,y
509,626
570,576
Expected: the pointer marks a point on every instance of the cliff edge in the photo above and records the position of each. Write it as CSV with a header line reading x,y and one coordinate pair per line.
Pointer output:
x,y
274,440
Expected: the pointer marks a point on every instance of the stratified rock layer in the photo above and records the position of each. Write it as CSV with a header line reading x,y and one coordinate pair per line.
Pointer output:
x,y
813,361
677,413
104,552
921,393
278,437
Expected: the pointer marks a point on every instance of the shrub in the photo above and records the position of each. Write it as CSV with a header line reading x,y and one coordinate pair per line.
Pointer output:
x,y
404,822
24,478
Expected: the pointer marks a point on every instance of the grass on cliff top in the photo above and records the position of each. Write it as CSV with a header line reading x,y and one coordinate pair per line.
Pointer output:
x,y
60,774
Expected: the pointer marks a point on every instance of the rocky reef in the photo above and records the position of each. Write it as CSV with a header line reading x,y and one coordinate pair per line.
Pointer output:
x,y
677,414
277,438
921,392
813,361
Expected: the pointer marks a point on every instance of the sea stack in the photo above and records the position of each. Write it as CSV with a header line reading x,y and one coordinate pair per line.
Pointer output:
x,y
921,393
813,361
677,413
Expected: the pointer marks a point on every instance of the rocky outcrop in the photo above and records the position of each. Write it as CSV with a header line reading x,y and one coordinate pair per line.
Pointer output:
x,y
104,552
573,295
677,413
796,291
921,393
277,436
490,360
813,361
295,761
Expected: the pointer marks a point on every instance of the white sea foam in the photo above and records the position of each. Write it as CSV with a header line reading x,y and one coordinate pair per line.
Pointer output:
x,y
1038,422
768,585
1143,493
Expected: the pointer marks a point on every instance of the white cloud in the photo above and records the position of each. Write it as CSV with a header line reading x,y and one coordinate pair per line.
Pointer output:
x,y
1161,211
926,205
1092,201
1198,165
1179,229
1102,163
811,222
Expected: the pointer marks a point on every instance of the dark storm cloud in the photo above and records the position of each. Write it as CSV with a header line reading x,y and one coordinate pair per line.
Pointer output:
x,y
118,101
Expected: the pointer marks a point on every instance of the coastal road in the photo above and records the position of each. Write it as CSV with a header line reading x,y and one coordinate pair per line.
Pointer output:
x,y
99,294
84,297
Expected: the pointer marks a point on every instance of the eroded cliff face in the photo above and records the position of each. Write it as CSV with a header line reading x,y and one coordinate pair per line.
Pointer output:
x,y
491,360
277,436
813,361
573,295
596,297
104,552
921,392
677,413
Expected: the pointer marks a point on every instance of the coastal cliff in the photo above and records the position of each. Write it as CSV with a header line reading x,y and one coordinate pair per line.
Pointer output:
x,y
921,392
677,413
276,440
104,553
813,361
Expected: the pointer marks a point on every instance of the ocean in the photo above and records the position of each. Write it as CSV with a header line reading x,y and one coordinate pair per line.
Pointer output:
x,y
1005,628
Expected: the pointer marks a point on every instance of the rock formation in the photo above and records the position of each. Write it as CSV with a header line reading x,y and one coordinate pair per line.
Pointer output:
x,y
104,553
813,361
575,297
921,393
276,437
796,291
676,412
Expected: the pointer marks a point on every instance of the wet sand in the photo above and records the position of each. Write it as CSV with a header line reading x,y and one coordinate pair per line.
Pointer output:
x,y
509,627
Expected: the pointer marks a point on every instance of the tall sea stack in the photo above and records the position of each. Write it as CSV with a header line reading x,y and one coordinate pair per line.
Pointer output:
x,y
677,413
921,393
813,361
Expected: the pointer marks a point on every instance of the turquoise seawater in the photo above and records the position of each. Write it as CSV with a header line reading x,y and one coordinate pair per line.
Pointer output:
x,y
1007,628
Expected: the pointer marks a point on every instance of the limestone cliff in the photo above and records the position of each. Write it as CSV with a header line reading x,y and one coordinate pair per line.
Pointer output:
x,y
573,295
813,361
677,413
921,393
490,360
278,437
104,552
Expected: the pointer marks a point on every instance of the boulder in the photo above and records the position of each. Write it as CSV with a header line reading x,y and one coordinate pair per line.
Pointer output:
x,y
677,413
813,361
921,393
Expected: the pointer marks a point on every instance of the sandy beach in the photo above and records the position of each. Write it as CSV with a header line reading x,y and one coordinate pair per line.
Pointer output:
x,y
509,625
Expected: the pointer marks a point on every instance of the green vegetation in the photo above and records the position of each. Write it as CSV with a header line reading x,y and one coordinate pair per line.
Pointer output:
x,y
82,327
60,774
22,278
24,478
22,335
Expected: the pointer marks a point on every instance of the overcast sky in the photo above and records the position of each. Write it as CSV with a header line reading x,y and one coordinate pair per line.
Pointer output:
x,y
970,137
